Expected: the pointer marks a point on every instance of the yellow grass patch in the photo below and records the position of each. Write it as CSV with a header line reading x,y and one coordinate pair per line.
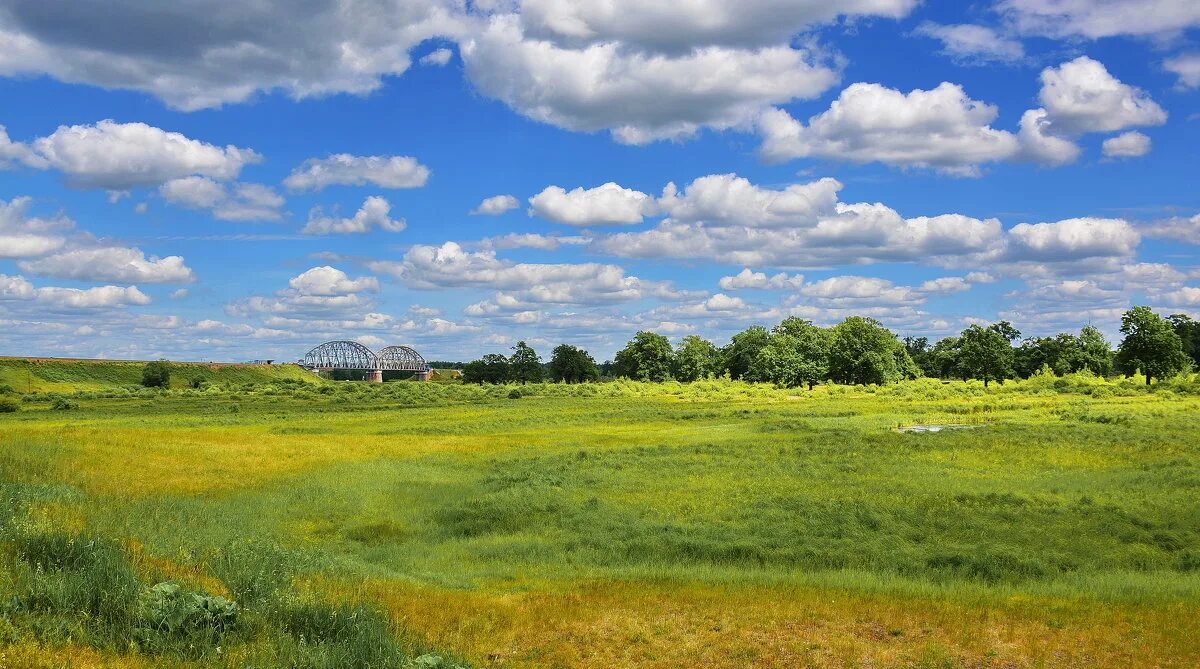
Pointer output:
x,y
666,626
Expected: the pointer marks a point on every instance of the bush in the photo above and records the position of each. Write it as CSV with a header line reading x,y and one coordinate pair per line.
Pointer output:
x,y
156,374
514,394
61,403
9,405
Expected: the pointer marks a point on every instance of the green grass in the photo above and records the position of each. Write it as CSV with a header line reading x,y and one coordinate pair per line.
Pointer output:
x,y
28,375
615,524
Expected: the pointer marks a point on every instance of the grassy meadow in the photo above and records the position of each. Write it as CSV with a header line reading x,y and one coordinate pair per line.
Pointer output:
x,y
719,524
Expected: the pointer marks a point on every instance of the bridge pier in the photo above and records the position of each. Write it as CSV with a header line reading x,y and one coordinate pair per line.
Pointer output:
x,y
375,376
423,376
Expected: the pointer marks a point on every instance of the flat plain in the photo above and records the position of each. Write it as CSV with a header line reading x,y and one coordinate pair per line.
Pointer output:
x,y
716,524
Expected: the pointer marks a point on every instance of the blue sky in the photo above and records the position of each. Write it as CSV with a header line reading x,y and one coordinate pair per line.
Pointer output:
x,y
200,182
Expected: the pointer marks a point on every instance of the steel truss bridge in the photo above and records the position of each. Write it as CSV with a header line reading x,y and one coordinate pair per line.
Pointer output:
x,y
353,356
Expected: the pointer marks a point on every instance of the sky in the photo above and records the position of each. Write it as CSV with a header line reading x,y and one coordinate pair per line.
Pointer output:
x,y
203,180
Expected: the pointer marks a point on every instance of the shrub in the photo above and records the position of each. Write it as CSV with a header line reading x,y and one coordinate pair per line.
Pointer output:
x,y
156,374
9,405
514,394
61,403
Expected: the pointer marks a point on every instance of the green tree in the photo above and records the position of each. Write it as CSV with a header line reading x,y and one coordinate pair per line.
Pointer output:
x,y
919,350
1150,345
695,358
743,347
986,353
861,350
1189,333
156,374
491,368
796,354
943,359
1006,330
525,364
1064,353
572,365
647,357
1093,352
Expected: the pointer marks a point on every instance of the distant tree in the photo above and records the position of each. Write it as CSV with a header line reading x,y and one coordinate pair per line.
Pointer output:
x,y
1064,353
572,365
796,354
473,372
608,369
942,359
1094,352
986,353
1189,333
156,374
525,365
861,350
695,358
1035,353
743,347
1006,330
647,357
919,350
491,368
1150,345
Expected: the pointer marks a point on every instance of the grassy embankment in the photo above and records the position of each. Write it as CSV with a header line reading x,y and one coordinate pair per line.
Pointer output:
x,y
32,375
718,524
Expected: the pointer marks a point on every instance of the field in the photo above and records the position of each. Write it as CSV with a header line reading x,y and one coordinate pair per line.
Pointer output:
x,y
715,524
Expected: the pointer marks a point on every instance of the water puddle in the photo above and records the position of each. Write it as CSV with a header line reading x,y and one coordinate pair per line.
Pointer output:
x,y
921,429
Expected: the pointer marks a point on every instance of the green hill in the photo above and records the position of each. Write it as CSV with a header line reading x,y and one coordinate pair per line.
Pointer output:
x,y
65,375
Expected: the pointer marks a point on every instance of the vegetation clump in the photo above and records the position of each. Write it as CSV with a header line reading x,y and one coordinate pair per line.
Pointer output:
x,y
156,374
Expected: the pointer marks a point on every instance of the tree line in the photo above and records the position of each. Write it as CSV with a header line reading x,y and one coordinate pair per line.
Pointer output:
x,y
861,350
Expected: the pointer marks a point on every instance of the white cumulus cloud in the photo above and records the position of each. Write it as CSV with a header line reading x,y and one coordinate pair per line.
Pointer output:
x,y
91,298
496,205
375,212
942,128
972,43
749,279
608,204
1074,238
124,265
345,169
1082,96
437,57
118,156
234,202
1127,145
1187,67
206,53
22,236
666,26
1100,18
639,96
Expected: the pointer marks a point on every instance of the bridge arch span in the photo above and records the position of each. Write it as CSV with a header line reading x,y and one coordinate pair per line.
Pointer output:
x,y
401,359
344,354
341,354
